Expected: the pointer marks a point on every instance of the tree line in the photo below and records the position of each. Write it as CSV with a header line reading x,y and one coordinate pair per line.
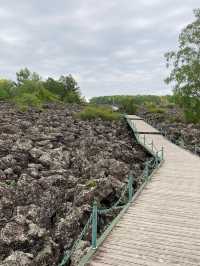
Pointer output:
x,y
129,104
30,89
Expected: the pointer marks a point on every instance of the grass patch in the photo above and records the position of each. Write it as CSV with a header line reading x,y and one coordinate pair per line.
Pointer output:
x,y
93,112
91,183
152,108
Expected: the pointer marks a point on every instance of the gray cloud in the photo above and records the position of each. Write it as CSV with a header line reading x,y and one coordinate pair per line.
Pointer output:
x,y
111,47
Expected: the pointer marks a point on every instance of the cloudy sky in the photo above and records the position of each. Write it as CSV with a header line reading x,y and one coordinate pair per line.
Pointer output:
x,y
110,46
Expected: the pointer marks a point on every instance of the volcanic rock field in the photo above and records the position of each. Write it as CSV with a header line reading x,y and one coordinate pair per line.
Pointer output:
x,y
52,167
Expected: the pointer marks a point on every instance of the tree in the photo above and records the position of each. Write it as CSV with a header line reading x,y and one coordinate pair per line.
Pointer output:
x,y
25,74
70,83
185,69
55,87
72,90
66,88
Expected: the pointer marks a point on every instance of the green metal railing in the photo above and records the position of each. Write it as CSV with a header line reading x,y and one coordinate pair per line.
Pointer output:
x,y
142,139
127,194
68,254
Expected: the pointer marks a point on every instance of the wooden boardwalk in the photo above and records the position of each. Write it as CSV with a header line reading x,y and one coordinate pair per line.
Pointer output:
x,y
162,227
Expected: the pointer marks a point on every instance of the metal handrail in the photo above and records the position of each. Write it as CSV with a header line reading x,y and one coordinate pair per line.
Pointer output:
x,y
68,254
142,141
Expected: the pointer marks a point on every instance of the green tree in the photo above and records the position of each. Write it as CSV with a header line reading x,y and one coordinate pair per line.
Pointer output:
x,y
31,90
66,88
185,69
72,90
55,87
25,74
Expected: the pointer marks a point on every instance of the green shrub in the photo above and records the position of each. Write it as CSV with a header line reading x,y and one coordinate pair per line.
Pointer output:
x,y
175,119
91,183
27,99
93,112
6,89
152,108
170,105
32,93
192,116
128,106
3,94
157,110
72,97
46,96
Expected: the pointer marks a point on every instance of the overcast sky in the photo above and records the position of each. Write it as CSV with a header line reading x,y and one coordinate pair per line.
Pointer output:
x,y
110,46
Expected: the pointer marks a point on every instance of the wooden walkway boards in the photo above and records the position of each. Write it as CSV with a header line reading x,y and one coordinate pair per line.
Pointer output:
x,y
162,227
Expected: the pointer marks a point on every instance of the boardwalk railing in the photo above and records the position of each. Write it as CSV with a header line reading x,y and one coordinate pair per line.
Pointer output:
x,y
127,196
141,139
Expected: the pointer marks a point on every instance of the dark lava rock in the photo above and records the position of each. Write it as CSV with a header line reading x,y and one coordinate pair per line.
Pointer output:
x,y
52,167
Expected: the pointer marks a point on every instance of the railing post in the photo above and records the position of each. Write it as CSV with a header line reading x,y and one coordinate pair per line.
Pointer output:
x,y
162,153
144,139
138,136
130,187
152,145
146,170
157,158
195,148
94,225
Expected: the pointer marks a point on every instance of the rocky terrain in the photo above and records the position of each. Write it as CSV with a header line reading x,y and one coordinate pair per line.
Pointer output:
x,y
52,167
171,123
